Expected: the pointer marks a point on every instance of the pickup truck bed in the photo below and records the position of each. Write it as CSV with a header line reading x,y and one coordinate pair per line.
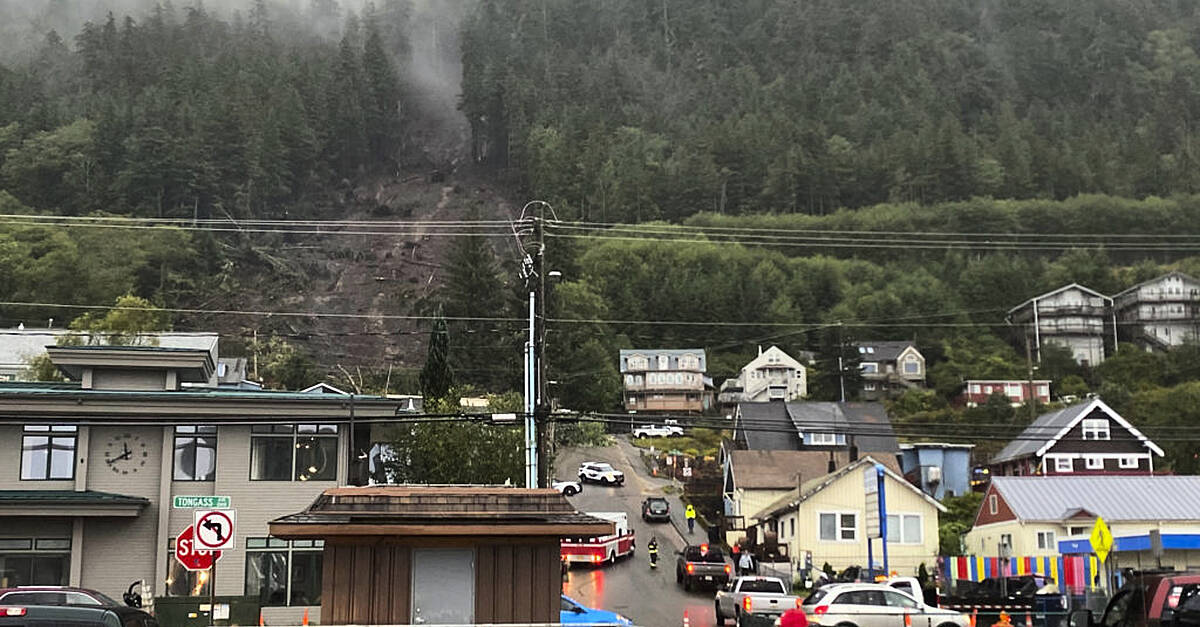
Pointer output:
x,y
762,596
702,565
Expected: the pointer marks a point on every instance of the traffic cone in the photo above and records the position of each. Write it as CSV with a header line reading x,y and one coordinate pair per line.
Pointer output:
x,y
260,619
686,621
1028,619
908,620
304,621
974,616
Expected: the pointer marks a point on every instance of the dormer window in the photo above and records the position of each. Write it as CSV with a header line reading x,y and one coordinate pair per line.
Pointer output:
x,y
689,362
664,362
1096,429
637,362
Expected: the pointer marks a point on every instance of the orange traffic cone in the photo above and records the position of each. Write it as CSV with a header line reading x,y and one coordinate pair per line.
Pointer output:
x,y
1028,619
260,619
908,620
304,621
974,616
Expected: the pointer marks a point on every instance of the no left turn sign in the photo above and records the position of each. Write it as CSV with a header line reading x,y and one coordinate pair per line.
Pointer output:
x,y
213,529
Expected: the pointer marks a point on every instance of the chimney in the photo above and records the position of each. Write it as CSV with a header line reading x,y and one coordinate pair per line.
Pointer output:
x,y
760,350
853,449
832,463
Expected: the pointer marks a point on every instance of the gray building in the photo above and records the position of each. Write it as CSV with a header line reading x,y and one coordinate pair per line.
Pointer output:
x,y
89,469
665,380
1073,316
1162,312
889,368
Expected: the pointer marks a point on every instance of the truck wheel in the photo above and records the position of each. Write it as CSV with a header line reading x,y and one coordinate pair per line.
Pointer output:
x,y
846,625
717,614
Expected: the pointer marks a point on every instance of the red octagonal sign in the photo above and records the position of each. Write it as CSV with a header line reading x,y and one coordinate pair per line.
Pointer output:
x,y
191,557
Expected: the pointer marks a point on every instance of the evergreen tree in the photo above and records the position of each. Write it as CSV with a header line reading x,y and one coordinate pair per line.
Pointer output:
x,y
437,376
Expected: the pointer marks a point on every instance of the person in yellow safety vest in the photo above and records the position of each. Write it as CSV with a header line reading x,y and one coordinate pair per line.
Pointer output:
x,y
652,550
690,515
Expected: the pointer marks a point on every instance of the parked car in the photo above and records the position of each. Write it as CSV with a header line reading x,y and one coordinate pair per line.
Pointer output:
x,y
656,509
568,488
657,431
54,595
1147,599
74,615
600,472
763,596
702,564
874,605
574,612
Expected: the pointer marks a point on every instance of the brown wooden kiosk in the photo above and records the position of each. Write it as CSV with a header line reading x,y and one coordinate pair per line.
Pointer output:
x,y
404,555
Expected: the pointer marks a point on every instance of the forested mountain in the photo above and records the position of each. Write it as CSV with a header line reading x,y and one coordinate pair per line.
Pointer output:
x,y
627,110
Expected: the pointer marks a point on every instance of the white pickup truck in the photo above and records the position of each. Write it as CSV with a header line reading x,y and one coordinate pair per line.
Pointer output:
x,y
657,431
764,596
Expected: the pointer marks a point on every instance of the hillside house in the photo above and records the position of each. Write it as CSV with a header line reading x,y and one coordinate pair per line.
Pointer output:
x,y
771,376
975,392
664,380
1072,316
1162,312
888,369
1086,438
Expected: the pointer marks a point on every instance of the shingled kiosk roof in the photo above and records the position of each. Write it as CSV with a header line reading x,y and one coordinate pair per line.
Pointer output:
x,y
439,511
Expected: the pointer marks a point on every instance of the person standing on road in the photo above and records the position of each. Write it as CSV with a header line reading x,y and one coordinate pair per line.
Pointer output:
x,y
690,515
745,563
652,550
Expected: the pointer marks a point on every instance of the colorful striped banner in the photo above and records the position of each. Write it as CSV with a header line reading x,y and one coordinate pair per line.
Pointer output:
x,y
1074,572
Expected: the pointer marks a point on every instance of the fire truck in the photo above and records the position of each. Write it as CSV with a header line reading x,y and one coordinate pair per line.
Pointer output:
x,y
604,549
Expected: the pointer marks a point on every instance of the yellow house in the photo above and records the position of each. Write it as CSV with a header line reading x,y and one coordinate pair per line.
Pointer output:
x,y
1049,516
828,517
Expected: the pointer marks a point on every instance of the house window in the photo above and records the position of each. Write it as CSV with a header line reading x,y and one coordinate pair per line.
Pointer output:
x,y
48,452
195,453
1006,539
904,528
664,362
689,362
1045,540
911,365
869,386
637,362
974,388
34,561
1064,464
1078,531
836,527
993,505
1129,462
293,452
282,573
869,367
823,439
628,379
1095,429
792,525
1013,390
1095,463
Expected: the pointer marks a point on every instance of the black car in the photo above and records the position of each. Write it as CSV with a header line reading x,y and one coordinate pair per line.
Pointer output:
x,y
656,509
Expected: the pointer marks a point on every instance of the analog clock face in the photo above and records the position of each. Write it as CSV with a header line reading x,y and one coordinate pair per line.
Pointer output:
x,y
126,453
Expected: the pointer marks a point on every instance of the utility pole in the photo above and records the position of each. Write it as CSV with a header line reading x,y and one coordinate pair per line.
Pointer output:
x,y
541,407
841,369
1029,370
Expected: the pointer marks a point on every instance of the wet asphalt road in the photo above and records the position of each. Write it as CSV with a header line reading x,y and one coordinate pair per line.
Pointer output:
x,y
651,598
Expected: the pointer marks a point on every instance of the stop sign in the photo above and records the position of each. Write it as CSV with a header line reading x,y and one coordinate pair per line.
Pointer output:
x,y
191,557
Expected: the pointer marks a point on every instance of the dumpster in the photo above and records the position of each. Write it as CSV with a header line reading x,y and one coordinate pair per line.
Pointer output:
x,y
194,611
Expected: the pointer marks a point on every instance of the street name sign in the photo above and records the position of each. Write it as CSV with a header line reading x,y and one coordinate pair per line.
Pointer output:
x,y
201,502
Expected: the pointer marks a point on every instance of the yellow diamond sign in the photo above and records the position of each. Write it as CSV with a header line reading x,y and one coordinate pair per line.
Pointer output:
x,y
1102,540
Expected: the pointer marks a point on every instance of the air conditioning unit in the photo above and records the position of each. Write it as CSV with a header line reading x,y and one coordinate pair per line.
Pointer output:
x,y
933,474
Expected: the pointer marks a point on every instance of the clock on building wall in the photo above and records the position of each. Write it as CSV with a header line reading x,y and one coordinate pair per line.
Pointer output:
x,y
126,453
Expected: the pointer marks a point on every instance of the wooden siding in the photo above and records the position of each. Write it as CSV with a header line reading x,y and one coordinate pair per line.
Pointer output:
x,y
1003,511
1121,440
515,581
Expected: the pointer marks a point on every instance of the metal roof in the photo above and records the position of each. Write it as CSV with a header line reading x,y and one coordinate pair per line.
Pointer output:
x,y
1114,497
771,427
1053,292
883,351
1177,273
69,497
